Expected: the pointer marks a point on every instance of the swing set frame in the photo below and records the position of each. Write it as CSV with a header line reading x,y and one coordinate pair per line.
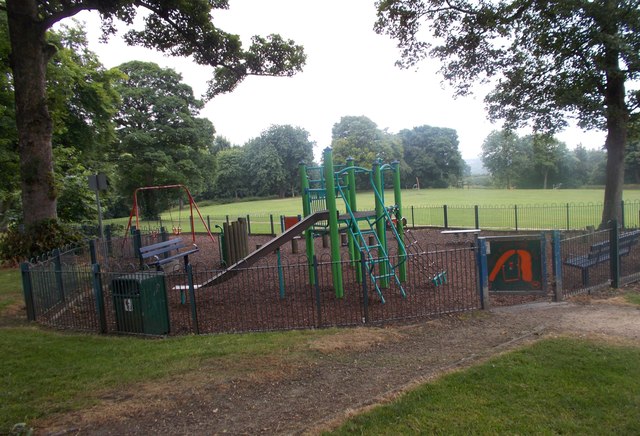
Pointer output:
x,y
135,211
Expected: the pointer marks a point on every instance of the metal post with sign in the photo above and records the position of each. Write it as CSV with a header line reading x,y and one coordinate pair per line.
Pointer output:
x,y
98,182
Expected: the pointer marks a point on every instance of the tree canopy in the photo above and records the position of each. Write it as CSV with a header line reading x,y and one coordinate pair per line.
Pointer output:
x,y
432,156
549,62
161,139
291,145
360,138
179,28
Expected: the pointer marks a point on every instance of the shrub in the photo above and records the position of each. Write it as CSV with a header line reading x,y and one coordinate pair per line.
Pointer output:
x,y
20,243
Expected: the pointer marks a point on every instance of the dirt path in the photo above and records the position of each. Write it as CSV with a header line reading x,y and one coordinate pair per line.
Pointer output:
x,y
348,373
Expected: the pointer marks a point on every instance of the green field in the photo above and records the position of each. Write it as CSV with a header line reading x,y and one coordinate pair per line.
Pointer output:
x,y
556,386
536,209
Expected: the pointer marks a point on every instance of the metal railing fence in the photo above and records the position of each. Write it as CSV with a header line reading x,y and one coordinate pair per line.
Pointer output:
x,y
266,297
553,216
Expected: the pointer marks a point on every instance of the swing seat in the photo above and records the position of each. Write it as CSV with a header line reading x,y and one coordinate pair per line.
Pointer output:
x,y
161,253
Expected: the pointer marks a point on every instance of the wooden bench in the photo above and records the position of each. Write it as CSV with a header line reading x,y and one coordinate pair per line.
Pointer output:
x,y
161,253
601,252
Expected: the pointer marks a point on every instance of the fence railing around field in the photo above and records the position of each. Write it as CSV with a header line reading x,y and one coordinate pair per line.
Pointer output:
x,y
555,216
567,216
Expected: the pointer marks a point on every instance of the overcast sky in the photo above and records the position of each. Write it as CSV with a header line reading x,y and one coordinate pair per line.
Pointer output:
x,y
350,71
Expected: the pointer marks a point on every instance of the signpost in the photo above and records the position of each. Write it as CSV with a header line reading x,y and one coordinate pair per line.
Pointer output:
x,y
98,182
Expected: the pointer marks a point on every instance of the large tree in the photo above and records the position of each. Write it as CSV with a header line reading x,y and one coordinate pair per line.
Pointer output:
x,y
504,156
181,28
549,61
82,101
292,146
231,178
433,156
161,139
360,138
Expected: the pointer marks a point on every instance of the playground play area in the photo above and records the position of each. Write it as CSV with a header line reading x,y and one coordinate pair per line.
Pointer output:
x,y
335,265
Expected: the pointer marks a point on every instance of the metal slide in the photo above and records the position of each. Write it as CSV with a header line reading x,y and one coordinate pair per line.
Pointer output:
x,y
263,251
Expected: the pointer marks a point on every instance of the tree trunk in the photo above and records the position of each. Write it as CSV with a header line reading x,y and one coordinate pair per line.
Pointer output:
x,y
617,115
29,56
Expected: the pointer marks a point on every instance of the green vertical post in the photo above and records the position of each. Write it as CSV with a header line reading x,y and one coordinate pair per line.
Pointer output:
x,y
354,254
614,254
57,262
336,267
27,289
397,197
192,299
381,231
99,297
306,210
557,265
483,273
280,274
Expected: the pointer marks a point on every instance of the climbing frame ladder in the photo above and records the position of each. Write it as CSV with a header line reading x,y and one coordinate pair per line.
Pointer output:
x,y
379,266
436,275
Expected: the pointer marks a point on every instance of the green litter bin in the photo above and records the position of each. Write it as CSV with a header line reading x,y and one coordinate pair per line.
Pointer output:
x,y
140,303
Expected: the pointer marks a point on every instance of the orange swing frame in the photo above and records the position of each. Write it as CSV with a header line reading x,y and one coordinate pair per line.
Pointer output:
x,y
176,230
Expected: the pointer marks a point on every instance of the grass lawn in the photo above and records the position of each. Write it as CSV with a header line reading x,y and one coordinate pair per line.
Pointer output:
x,y
557,386
633,298
45,372
494,201
10,288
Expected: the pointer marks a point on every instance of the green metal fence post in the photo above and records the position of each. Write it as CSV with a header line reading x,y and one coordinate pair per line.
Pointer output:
x,y
413,220
483,273
614,255
515,211
99,296
58,271
446,217
622,226
92,251
137,244
273,230
248,225
314,264
476,210
280,274
568,222
365,290
192,299
109,241
27,290
556,250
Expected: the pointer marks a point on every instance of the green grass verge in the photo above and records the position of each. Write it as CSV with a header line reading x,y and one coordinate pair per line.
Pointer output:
x,y
633,297
44,372
558,386
10,288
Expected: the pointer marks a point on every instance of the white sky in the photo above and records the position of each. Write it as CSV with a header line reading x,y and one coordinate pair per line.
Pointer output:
x,y
350,71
